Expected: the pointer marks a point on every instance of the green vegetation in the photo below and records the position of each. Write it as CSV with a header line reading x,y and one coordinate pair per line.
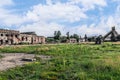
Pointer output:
x,y
68,62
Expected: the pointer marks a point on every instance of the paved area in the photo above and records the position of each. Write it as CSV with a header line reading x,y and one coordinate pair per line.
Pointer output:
x,y
11,60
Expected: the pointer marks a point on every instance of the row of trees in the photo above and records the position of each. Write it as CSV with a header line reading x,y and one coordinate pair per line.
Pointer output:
x,y
58,38
62,39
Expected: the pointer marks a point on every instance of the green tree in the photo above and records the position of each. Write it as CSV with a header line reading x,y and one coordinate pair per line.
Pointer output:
x,y
86,38
63,39
68,35
57,35
76,36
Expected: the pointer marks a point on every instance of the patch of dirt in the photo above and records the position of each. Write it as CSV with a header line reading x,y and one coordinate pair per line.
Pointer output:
x,y
11,60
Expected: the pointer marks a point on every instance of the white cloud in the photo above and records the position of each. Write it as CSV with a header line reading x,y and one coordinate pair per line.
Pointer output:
x,y
49,2
6,16
42,28
6,3
44,19
9,19
116,0
89,30
61,12
89,4
111,21
66,12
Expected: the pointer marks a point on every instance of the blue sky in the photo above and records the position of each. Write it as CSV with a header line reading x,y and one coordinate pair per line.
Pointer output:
x,y
91,17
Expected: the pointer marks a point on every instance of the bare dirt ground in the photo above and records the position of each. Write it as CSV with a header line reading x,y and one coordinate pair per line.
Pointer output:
x,y
11,60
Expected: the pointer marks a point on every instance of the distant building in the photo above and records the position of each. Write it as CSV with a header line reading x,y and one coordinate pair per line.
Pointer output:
x,y
81,40
72,40
15,37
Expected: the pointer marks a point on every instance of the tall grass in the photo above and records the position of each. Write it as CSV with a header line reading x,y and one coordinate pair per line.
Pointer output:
x,y
68,62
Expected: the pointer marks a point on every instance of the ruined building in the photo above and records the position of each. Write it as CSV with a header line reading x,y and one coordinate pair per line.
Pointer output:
x,y
9,36
31,38
112,35
15,37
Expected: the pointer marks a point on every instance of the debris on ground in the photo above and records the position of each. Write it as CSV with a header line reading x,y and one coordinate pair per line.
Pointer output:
x,y
11,60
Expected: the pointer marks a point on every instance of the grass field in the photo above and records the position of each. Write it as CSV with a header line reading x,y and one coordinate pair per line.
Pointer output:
x,y
68,62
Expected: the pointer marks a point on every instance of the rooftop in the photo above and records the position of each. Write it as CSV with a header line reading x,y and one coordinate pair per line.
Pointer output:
x,y
9,31
29,33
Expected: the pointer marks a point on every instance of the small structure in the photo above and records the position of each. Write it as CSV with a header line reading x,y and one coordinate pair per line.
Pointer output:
x,y
111,36
81,40
72,40
99,39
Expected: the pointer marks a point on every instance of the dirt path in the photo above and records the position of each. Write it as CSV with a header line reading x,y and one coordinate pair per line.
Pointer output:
x,y
11,60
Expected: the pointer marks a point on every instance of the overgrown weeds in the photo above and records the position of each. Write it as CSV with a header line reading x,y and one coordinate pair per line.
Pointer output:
x,y
69,62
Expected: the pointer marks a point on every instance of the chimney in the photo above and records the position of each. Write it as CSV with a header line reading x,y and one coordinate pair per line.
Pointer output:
x,y
113,28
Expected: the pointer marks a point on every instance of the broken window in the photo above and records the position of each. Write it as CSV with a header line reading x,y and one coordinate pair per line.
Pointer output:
x,y
26,38
16,36
7,35
22,38
1,41
6,41
11,35
1,34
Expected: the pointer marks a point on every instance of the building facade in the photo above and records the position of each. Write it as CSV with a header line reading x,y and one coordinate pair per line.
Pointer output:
x,y
31,38
9,37
72,40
